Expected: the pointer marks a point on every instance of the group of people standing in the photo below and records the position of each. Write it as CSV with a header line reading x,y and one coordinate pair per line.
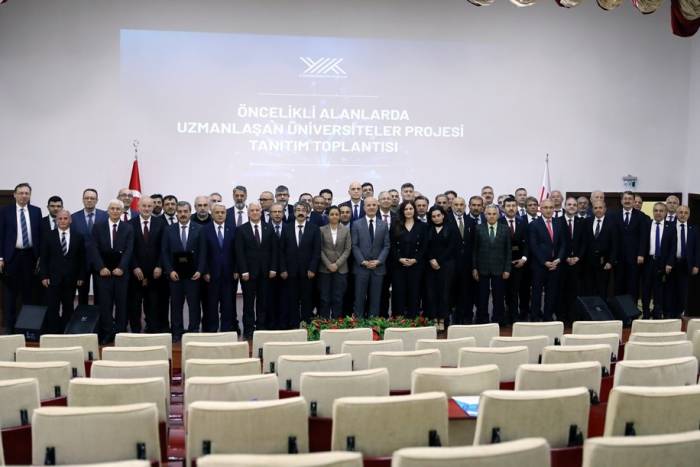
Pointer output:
x,y
454,261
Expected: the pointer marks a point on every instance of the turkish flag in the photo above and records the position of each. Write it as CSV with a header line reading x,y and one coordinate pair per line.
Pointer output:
x,y
545,188
135,185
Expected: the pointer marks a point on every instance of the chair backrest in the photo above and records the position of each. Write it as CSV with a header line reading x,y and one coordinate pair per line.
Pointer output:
x,y
360,350
130,339
313,459
669,372
53,377
552,329
217,337
528,452
578,353
291,367
334,338
231,388
636,350
467,381
534,344
19,399
691,326
234,367
402,363
135,354
507,359
290,335
215,350
147,369
598,327
409,336
449,348
72,355
273,350
257,427
9,344
88,342
94,392
672,336
320,390
558,415
378,426
656,325
610,339
80,435
482,333
559,376
652,410
696,344
678,450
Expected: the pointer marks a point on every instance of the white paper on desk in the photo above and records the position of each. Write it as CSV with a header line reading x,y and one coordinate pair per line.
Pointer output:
x,y
470,404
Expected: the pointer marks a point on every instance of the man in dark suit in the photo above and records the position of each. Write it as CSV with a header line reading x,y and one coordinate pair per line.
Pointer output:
x,y
20,241
238,213
111,251
492,264
461,296
672,203
256,261
318,214
184,255
601,252
532,212
83,222
126,196
687,263
220,236
547,242
370,249
355,203
277,305
387,216
661,257
517,228
282,197
201,214
145,280
62,269
299,257
571,269
48,222
632,239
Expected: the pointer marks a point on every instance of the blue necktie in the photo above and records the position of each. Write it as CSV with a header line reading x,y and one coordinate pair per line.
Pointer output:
x,y
25,230
183,237
90,222
657,241
277,231
221,238
682,240
355,214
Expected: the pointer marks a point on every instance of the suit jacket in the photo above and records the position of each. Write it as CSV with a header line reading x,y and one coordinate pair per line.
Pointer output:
x,y
46,226
604,248
101,248
78,222
542,248
197,220
220,259
492,257
632,238
147,254
8,230
338,253
442,246
295,259
667,255
253,258
692,247
518,241
348,203
60,269
363,249
465,251
289,218
576,246
318,219
196,244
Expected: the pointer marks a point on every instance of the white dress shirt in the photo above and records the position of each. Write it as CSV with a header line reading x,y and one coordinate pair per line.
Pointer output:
x,y
334,234
678,237
386,217
18,243
595,223
296,231
652,237
111,231
142,223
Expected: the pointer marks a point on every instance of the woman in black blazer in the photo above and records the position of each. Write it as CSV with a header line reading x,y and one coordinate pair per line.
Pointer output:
x,y
408,246
443,246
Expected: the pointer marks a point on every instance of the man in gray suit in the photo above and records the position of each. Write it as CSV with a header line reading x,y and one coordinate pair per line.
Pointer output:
x,y
370,248
491,260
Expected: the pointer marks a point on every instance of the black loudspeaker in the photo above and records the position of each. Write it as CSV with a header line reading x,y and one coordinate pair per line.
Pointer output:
x,y
84,320
593,308
624,308
31,322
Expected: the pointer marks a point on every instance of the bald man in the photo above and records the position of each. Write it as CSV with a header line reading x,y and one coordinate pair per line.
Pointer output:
x,y
356,203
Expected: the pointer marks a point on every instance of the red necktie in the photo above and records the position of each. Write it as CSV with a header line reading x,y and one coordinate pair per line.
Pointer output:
x,y
571,228
512,228
549,229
